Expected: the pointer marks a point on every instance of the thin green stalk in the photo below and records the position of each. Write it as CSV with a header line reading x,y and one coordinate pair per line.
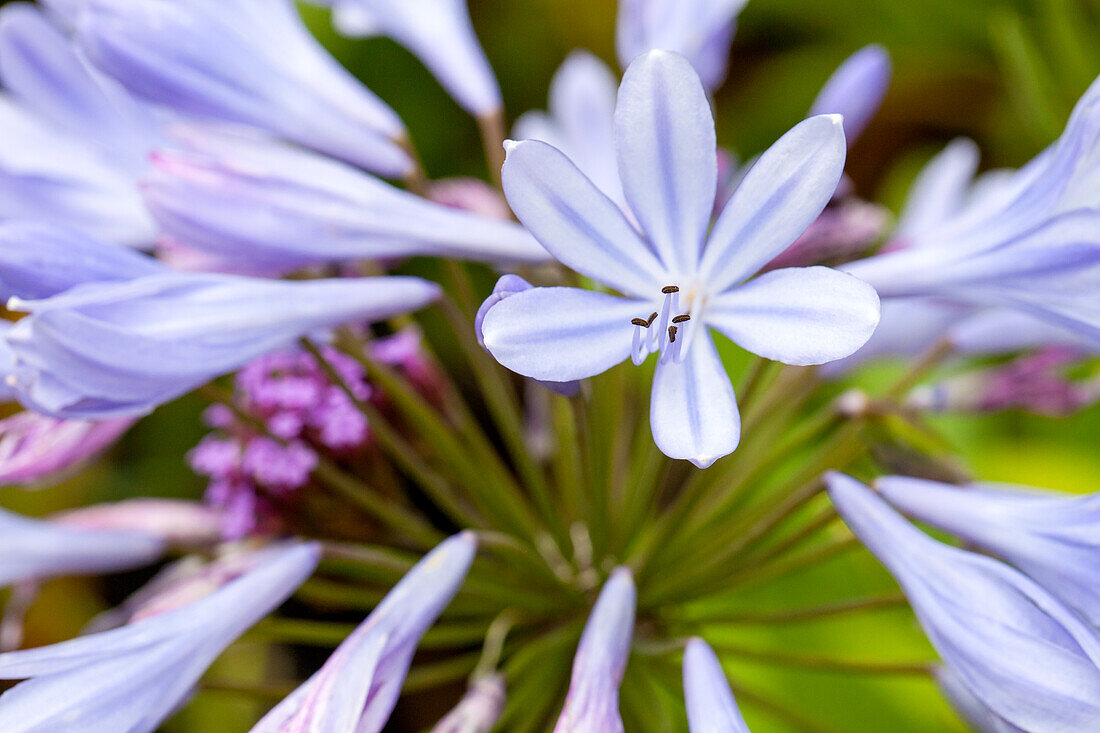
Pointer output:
x,y
404,455
267,691
299,631
492,129
920,368
479,475
430,675
501,401
720,538
378,506
823,520
750,384
777,710
807,661
567,468
799,615
648,469
794,564
493,648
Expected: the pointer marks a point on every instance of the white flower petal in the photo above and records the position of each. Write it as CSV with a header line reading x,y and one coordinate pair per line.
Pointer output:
x,y
805,315
668,155
694,412
577,223
787,188
561,334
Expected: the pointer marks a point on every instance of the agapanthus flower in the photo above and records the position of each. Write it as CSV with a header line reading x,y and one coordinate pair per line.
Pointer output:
x,y
441,35
36,448
272,207
35,549
856,90
592,703
1015,647
1027,240
358,686
73,142
1035,382
678,281
39,259
1053,537
133,677
700,30
107,349
251,62
711,707
479,710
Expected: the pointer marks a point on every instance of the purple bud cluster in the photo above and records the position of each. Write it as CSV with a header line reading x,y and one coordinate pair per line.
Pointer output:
x,y
304,413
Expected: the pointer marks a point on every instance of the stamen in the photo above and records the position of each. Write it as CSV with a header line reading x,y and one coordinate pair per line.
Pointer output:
x,y
670,289
681,319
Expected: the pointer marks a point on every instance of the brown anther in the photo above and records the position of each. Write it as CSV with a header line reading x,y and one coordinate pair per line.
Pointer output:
x,y
670,289
672,334
640,322
681,319
652,318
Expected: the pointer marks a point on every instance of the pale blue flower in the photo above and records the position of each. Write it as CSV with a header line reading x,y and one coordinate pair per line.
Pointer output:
x,y
72,142
272,207
242,61
677,280
1028,240
1030,659
592,703
699,30
129,679
35,549
856,89
106,349
1054,538
441,35
710,704
358,687
38,260
580,121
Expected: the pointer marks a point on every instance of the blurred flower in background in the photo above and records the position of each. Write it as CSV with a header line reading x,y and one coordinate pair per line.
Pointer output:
x,y
261,468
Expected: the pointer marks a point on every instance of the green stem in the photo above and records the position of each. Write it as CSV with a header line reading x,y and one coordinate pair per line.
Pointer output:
x,y
484,478
783,659
494,644
374,504
404,455
799,615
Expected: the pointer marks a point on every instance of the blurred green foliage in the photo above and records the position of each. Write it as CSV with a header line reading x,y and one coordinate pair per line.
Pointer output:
x,y
1004,72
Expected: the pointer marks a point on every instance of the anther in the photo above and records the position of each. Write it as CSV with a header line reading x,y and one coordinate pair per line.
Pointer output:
x,y
672,334
652,318
640,322
670,289
681,319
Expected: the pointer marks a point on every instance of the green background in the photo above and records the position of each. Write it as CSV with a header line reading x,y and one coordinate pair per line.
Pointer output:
x,y
1005,73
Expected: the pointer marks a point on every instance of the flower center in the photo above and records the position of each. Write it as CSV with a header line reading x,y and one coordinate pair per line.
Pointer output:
x,y
665,331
